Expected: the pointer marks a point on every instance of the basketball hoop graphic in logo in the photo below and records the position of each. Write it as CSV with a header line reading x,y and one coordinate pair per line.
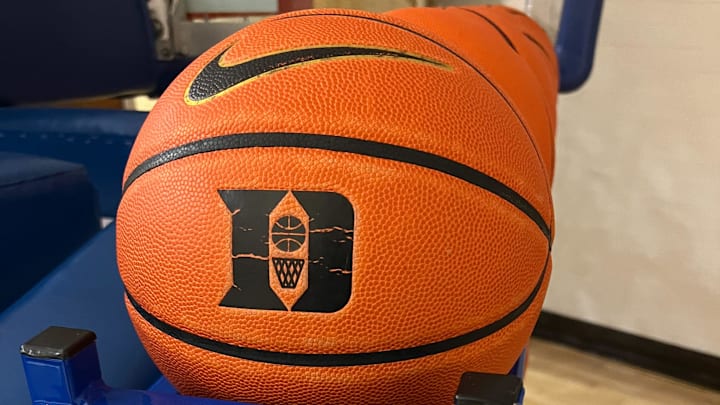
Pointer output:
x,y
291,250
288,249
288,235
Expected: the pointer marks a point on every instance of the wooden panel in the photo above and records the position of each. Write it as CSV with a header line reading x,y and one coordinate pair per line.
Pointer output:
x,y
560,375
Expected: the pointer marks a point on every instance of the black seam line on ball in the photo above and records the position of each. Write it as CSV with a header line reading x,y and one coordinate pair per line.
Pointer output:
x,y
336,359
452,52
349,145
538,44
513,11
492,23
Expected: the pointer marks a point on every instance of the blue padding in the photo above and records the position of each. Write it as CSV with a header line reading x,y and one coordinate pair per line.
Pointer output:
x,y
48,208
57,50
162,385
101,396
100,140
85,292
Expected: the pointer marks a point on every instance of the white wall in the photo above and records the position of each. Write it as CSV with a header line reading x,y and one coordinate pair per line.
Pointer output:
x,y
637,187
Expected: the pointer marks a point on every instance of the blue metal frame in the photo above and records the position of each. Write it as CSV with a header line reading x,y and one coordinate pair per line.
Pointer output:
x,y
575,42
68,373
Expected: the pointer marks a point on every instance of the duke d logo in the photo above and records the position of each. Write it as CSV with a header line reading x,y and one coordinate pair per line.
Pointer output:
x,y
292,250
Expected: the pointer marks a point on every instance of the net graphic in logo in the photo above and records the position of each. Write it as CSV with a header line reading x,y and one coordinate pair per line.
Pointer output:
x,y
291,250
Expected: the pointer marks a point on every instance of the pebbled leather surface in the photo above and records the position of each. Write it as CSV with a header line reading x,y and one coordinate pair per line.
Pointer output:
x,y
429,380
455,113
528,80
434,256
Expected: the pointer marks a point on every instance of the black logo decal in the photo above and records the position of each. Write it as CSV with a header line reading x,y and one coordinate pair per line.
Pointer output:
x,y
216,77
291,250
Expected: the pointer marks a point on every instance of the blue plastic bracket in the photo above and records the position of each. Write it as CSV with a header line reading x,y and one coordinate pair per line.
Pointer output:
x,y
60,363
520,366
62,368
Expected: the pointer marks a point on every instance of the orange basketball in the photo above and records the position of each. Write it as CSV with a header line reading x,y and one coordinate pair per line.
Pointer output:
x,y
525,69
335,206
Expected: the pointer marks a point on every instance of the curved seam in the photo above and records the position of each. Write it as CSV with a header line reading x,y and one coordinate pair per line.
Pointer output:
x,y
536,42
497,28
341,359
457,55
349,145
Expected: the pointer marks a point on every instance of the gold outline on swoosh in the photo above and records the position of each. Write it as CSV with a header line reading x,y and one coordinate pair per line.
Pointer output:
x,y
221,63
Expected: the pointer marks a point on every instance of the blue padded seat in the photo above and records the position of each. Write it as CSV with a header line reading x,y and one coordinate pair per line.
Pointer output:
x,y
100,140
84,292
48,208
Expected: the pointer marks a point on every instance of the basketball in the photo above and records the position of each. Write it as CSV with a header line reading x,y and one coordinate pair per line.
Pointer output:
x,y
335,206
525,69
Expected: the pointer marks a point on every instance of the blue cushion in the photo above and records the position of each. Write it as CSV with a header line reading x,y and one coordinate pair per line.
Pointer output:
x,y
48,209
100,140
108,49
162,385
84,292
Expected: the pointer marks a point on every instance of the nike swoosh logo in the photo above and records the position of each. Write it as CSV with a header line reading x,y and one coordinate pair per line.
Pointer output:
x,y
216,78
